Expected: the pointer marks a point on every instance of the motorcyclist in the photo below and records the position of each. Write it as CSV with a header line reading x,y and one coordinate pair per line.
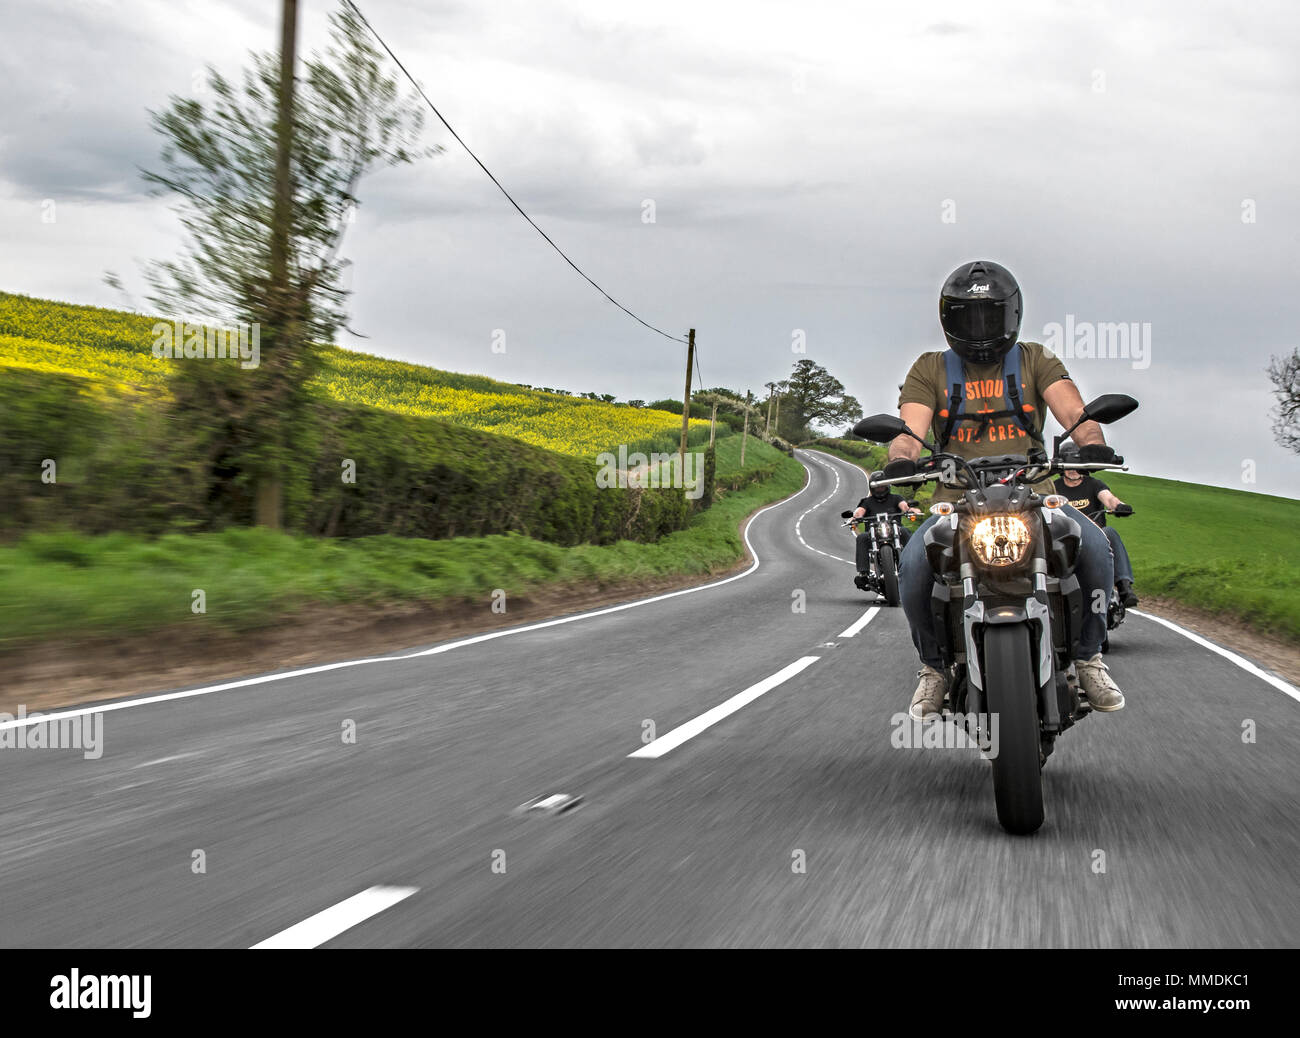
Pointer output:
x,y
881,500
986,396
1094,498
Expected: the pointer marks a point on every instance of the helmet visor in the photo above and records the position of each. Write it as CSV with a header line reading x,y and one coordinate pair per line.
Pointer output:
x,y
980,320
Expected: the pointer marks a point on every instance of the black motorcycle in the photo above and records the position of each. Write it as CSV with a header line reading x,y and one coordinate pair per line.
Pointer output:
x,y
883,545
1115,608
1007,603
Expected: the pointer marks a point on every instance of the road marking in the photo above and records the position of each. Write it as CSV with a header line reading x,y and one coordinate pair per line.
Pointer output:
x,y
323,926
680,734
798,523
555,804
1232,657
127,704
165,760
861,622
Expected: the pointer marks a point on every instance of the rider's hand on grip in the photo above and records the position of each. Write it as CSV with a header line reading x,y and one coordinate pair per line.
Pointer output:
x,y
1123,509
900,468
1098,454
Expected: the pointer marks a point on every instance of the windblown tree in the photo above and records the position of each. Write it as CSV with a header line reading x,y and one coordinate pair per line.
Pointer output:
x,y
1284,372
219,156
812,396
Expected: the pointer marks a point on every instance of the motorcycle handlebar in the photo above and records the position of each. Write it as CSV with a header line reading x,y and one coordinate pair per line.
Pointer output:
x,y
1048,469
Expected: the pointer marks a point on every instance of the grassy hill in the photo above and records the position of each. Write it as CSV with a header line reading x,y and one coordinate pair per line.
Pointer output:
x,y
1224,550
486,485
115,348
436,454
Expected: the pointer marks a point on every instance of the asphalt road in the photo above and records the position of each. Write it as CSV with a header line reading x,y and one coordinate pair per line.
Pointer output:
x,y
793,820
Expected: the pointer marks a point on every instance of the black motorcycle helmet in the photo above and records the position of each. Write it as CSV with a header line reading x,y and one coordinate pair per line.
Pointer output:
x,y
879,493
1069,453
980,310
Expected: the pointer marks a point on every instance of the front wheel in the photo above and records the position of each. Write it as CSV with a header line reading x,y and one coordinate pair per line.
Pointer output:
x,y
889,573
1012,698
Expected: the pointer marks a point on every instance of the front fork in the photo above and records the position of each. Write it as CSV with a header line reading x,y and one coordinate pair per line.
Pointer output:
x,y
1058,700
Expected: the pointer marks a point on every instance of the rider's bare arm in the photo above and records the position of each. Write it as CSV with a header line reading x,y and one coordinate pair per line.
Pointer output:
x,y
1063,399
916,417
1109,500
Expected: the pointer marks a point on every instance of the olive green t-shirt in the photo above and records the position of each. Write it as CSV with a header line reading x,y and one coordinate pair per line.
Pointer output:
x,y
985,393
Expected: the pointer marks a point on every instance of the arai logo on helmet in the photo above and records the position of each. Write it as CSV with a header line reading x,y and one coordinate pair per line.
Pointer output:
x,y
980,288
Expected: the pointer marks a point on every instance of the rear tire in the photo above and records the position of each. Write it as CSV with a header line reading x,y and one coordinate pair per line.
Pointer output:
x,y
1012,695
889,574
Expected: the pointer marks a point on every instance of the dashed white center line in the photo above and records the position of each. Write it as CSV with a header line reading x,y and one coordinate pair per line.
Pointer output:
x,y
323,926
667,743
798,523
860,622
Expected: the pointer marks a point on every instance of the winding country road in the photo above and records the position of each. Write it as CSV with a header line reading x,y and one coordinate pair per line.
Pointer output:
x,y
770,807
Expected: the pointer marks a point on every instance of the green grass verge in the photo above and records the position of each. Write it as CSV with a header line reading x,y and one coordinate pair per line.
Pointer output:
x,y
75,585
1227,551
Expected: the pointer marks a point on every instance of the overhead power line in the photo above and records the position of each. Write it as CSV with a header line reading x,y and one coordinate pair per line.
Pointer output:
x,y
380,40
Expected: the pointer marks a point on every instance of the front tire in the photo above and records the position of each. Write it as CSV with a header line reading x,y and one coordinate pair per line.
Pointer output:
x,y
1012,696
889,574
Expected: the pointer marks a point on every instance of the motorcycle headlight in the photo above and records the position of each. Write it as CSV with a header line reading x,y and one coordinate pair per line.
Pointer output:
x,y
1000,540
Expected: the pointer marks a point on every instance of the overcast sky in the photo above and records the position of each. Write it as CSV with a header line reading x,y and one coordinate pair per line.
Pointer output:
x,y
814,167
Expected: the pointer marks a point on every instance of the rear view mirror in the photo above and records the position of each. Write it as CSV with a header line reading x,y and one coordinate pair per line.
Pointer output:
x,y
846,515
1110,408
880,428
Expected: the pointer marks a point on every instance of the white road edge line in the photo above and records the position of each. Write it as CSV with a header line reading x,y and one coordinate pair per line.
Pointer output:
x,y
324,926
127,704
680,734
1231,657
798,523
860,623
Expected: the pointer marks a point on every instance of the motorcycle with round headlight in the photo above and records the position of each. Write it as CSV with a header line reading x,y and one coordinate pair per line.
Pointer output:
x,y
1007,603
883,546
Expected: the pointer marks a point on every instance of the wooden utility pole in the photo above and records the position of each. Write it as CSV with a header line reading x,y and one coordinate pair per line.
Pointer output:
x,y
713,421
283,201
744,436
282,308
777,420
686,400
771,388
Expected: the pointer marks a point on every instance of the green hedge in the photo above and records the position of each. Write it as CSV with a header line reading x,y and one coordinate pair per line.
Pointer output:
x,y
137,462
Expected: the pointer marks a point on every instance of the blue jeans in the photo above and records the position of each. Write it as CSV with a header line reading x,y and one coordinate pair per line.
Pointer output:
x,y
1095,570
863,553
1123,568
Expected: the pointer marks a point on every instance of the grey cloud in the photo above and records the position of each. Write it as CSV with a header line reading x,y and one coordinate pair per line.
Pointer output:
x,y
777,208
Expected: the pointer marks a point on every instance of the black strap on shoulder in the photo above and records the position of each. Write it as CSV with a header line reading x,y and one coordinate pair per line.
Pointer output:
x,y
955,372
1011,380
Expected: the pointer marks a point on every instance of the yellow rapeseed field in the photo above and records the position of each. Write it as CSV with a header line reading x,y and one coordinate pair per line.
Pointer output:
x,y
115,348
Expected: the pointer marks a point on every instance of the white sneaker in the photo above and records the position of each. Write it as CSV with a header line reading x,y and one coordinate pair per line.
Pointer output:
x,y
1102,693
927,700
